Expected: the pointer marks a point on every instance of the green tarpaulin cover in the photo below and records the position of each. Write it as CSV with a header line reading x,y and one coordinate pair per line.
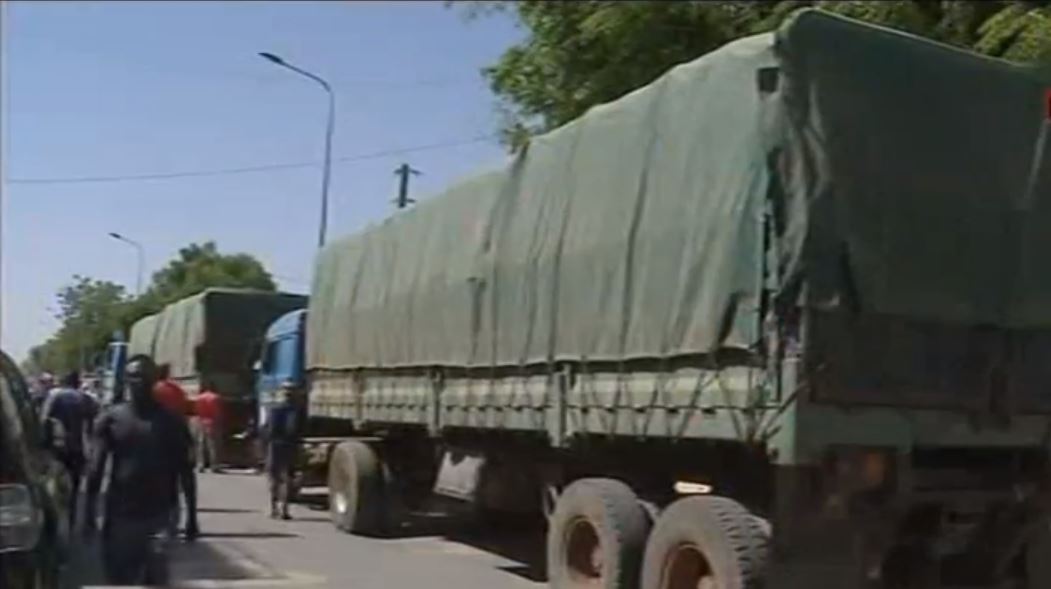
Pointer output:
x,y
216,331
900,177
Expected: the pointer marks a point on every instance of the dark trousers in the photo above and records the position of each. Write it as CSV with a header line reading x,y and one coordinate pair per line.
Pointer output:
x,y
135,550
74,465
280,470
207,444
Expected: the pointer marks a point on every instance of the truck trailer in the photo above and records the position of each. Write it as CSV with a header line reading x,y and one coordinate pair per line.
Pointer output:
x,y
779,319
212,339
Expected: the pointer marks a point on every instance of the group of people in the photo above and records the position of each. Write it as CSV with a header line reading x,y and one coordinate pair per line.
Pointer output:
x,y
151,438
146,441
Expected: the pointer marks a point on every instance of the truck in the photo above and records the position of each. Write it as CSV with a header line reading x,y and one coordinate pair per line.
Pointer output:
x,y
110,369
779,319
212,339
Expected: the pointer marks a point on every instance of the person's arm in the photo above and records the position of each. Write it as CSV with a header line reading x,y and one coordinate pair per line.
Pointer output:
x,y
46,415
188,481
100,451
91,409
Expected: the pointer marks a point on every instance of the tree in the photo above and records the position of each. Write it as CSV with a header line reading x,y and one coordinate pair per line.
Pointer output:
x,y
201,266
92,310
580,54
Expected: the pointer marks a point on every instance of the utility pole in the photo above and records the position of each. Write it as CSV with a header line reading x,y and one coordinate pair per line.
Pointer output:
x,y
403,172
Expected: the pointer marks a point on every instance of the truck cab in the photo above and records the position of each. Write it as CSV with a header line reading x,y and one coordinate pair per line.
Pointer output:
x,y
112,371
281,359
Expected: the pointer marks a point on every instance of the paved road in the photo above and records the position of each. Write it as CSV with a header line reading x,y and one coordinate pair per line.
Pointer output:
x,y
242,547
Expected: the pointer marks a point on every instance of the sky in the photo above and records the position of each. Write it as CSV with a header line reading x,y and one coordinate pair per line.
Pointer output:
x,y
116,89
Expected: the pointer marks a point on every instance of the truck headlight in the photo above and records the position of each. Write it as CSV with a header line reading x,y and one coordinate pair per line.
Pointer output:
x,y
21,521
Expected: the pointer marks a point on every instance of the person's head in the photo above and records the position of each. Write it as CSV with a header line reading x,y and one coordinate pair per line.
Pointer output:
x,y
71,380
140,375
47,380
164,371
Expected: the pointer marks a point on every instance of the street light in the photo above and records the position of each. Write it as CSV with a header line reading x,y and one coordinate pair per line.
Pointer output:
x,y
139,256
326,170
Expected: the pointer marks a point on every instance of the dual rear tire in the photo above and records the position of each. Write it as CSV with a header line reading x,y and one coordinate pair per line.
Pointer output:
x,y
601,536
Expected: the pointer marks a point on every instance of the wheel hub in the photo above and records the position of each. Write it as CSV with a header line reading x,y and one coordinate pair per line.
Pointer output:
x,y
584,557
687,568
340,501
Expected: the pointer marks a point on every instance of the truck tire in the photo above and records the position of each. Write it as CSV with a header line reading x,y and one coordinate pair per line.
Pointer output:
x,y
596,536
355,489
703,541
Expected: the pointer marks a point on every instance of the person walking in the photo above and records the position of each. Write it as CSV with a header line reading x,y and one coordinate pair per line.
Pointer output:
x,y
67,416
45,384
150,453
208,409
173,397
281,434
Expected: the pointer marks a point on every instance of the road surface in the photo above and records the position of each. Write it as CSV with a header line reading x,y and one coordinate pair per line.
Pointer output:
x,y
241,547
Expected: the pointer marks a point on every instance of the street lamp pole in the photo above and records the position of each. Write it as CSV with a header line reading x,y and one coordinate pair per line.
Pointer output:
x,y
140,259
329,128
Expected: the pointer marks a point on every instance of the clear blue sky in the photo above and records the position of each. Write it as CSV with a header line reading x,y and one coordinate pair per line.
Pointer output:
x,y
125,88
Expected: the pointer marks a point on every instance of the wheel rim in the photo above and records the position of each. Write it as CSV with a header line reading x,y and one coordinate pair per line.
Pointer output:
x,y
584,554
686,568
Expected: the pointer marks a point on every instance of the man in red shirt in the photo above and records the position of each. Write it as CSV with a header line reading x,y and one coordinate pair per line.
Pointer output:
x,y
209,411
170,395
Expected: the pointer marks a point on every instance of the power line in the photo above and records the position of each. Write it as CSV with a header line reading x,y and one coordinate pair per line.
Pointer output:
x,y
244,170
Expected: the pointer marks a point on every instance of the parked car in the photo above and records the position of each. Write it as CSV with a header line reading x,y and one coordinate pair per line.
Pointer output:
x,y
34,488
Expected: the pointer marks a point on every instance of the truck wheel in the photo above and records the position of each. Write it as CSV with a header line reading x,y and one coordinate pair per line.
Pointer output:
x,y
706,542
355,489
596,536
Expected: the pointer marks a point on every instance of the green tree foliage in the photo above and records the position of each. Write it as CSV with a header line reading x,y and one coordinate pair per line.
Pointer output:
x,y
579,54
90,311
200,266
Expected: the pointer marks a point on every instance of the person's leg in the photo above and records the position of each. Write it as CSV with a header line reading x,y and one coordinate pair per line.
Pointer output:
x,y
273,476
157,572
74,466
285,489
172,522
200,441
211,441
124,550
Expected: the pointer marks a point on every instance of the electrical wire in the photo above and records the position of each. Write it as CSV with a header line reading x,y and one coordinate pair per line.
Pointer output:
x,y
246,169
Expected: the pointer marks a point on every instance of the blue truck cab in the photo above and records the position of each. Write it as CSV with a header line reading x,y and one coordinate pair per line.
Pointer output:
x,y
112,371
282,359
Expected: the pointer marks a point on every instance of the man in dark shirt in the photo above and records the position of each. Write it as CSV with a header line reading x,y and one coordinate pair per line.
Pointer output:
x,y
150,449
67,415
281,432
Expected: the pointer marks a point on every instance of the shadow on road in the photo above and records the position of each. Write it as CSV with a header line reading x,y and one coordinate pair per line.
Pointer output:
x,y
223,510
248,535
202,560
522,544
187,561
519,541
